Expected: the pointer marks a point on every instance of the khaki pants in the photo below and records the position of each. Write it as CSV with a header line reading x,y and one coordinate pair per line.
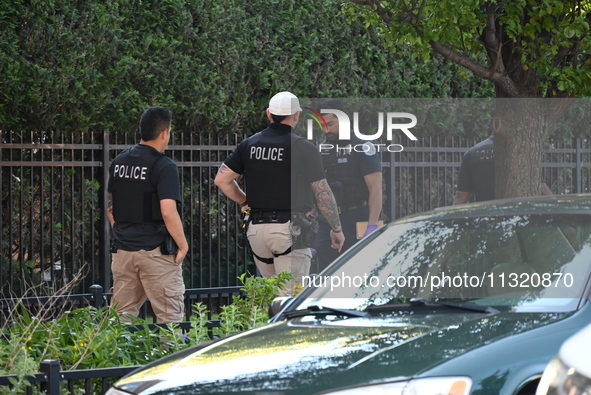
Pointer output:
x,y
266,240
141,275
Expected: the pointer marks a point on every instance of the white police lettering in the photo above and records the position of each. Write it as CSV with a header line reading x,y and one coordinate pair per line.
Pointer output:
x,y
266,153
485,154
131,172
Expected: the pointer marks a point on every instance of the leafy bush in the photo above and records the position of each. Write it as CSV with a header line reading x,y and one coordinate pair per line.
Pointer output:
x,y
96,65
90,338
250,312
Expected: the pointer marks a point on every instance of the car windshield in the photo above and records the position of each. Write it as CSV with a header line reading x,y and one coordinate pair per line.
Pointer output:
x,y
528,262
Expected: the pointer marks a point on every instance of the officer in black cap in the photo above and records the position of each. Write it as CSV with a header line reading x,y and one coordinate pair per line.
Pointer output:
x,y
149,240
284,179
354,173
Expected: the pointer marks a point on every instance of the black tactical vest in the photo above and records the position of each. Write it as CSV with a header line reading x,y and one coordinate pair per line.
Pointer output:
x,y
267,160
135,199
343,172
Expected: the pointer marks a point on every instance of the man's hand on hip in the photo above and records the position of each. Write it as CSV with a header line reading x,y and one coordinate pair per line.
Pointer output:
x,y
181,253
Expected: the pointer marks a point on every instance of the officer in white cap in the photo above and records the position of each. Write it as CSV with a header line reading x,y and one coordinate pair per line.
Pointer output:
x,y
284,179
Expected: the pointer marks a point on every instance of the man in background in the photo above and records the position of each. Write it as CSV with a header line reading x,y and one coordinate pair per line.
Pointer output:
x,y
477,173
476,177
354,173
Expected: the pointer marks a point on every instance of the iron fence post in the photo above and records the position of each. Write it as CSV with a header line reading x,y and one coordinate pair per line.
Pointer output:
x,y
391,187
97,296
51,368
105,239
578,176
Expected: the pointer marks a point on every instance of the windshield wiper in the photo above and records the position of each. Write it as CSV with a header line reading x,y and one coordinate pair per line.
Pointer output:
x,y
418,302
323,310
463,306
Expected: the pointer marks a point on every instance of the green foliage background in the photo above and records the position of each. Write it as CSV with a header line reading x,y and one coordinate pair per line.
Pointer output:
x,y
541,47
96,65
91,338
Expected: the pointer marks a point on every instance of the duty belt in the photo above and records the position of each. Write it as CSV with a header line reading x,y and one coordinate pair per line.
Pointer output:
x,y
270,217
352,206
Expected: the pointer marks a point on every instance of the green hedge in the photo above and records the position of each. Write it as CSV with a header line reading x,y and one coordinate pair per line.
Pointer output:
x,y
96,65
90,338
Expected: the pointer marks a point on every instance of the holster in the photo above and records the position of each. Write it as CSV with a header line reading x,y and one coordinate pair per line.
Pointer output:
x,y
303,231
169,247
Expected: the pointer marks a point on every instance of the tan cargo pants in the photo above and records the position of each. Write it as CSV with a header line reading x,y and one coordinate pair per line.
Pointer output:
x,y
266,240
141,275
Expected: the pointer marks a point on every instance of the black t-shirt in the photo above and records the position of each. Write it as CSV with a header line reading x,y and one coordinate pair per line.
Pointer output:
x,y
275,163
477,171
163,176
306,168
346,165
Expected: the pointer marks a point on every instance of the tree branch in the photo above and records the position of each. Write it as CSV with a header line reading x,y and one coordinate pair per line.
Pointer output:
x,y
490,38
461,60
564,52
499,78
381,11
497,72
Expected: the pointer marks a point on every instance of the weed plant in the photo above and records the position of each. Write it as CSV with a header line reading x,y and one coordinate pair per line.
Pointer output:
x,y
90,338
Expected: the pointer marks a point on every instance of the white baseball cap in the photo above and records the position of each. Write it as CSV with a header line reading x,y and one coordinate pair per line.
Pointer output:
x,y
284,103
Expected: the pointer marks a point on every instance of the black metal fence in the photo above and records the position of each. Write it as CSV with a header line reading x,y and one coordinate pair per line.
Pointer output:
x,y
96,381
55,234
212,298
424,175
54,228
51,376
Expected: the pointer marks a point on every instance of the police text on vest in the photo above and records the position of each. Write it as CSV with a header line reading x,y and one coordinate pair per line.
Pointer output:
x,y
131,172
266,153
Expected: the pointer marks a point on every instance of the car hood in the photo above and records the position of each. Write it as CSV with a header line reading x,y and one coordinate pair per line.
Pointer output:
x,y
308,355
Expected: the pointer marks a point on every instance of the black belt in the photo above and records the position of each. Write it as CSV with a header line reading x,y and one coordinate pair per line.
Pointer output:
x,y
352,206
270,217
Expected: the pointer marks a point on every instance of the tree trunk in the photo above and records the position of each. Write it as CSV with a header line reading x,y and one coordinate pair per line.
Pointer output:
x,y
522,127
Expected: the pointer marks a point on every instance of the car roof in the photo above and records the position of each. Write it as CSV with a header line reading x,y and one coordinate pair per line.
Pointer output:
x,y
574,351
553,204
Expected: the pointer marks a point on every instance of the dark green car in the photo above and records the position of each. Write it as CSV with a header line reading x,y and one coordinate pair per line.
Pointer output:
x,y
472,299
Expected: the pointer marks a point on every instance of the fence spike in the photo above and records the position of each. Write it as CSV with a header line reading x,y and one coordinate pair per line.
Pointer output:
x,y
51,367
97,296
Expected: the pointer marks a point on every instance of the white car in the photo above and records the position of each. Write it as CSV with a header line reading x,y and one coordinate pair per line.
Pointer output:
x,y
570,372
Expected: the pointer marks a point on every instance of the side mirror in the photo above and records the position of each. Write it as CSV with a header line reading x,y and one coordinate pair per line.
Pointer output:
x,y
277,304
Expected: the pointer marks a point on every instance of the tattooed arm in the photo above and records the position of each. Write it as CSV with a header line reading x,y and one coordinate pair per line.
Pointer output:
x,y
326,203
226,181
328,207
